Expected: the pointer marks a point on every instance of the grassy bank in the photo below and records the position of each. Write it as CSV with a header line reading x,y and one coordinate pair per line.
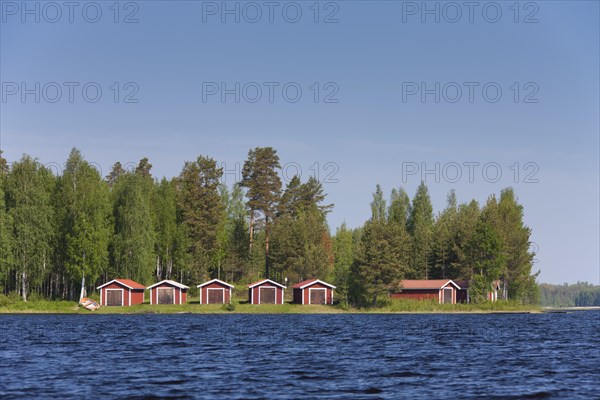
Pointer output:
x,y
11,305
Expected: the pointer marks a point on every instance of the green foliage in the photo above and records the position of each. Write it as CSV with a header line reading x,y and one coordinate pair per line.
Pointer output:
x,y
28,196
83,209
228,307
301,246
134,235
343,251
164,209
580,294
259,176
55,230
201,214
381,264
420,227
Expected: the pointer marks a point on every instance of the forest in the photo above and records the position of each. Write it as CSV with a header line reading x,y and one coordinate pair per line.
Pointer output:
x,y
580,294
57,229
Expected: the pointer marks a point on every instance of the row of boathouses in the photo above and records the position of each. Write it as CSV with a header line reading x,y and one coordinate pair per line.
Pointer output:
x,y
125,292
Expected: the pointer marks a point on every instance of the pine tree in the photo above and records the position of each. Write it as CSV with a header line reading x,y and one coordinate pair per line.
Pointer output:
x,y
201,212
343,250
466,221
518,280
420,227
259,176
302,247
486,257
444,231
378,205
399,210
115,172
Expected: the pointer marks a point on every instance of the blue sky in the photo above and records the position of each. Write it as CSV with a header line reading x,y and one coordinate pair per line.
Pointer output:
x,y
371,61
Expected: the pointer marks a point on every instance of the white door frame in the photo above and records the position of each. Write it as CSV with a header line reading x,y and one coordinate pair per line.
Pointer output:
x,y
165,288
122,297
309,293
208,297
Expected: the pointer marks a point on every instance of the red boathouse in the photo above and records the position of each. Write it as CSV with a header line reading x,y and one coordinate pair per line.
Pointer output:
x,y
121,292
215,292
168,292
313,291
442,290
265,292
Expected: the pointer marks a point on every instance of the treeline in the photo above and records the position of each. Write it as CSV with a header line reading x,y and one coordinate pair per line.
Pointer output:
x,y
55,230
580,294
464,242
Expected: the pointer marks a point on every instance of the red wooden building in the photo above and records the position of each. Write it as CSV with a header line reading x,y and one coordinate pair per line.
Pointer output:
x,y
168,292
442,290
265,292
121,292
313,291
215,292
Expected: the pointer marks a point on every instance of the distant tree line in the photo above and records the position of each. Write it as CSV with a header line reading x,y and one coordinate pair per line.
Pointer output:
x,y
55,230
580,294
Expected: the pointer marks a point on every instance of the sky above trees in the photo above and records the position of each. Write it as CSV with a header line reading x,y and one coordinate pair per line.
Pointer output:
x,y
361,120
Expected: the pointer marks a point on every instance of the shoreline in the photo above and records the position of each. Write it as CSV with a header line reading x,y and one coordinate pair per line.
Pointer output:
x,y
72,308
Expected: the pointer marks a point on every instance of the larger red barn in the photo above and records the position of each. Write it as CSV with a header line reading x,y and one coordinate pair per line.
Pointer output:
x,y
168,292
121,292
442,290
215,292
266,292
313,291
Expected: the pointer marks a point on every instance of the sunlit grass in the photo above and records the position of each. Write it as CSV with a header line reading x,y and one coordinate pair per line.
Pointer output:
x,y
13,304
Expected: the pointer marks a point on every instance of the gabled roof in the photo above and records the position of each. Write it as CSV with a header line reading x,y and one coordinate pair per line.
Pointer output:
x,y
309,282
170,282
213,281
415,284
128,283
266,281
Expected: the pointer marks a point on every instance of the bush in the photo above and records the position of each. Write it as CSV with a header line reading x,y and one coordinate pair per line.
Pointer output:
x,y
228,307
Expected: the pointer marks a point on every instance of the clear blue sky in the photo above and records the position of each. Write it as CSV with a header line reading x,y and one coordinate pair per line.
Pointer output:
x,y
376,131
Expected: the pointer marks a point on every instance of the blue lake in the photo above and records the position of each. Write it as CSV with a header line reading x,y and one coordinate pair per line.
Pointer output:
x,y
300,356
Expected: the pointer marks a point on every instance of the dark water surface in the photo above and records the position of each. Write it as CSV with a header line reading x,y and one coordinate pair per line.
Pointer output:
x,y
300,356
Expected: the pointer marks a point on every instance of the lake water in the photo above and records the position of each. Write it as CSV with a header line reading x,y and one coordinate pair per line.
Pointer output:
x,y
300,356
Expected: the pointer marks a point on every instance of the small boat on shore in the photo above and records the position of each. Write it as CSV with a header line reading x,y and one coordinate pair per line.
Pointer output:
x,y
89,304
86,302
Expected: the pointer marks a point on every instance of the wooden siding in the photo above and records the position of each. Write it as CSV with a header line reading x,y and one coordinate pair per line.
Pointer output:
x,y
253,293
302,296
214,285
137,295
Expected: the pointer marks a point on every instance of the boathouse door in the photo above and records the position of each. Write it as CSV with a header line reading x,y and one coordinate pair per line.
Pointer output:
x,y
165,295
447,299
317,296
114,297
267,295
216,296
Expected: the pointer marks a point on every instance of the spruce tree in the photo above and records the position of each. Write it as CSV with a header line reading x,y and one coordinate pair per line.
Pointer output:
x,y
420,227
